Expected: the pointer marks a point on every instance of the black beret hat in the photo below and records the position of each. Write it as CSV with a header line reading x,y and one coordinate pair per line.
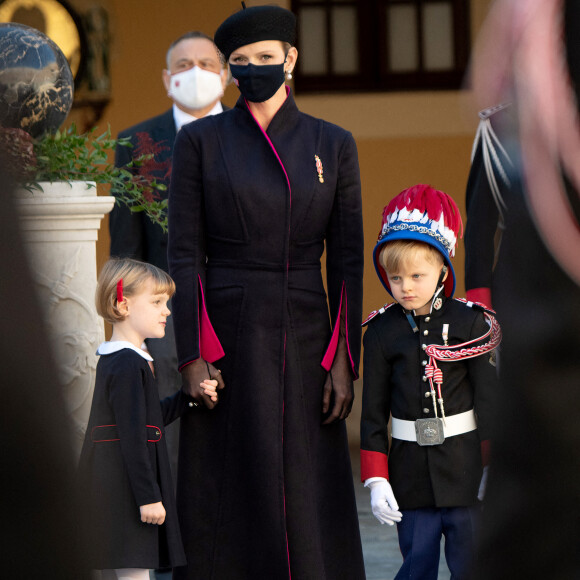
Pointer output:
x,y
253,25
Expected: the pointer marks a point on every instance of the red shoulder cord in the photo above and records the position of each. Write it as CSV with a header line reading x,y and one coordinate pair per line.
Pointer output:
x,y
458,352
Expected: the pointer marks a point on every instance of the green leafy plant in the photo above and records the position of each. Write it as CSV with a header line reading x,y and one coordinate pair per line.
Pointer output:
x,y
68,155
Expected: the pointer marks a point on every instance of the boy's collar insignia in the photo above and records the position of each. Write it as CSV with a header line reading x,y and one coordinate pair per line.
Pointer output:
x,y
438,298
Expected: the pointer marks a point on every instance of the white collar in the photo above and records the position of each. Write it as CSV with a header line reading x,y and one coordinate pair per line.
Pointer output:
x,y
116,345
182,118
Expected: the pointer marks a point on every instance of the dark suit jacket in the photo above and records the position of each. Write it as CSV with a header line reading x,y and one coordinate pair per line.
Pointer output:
x,y
134,234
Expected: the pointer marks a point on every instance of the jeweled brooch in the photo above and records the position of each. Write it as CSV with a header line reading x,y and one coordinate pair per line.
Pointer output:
x,y
319,168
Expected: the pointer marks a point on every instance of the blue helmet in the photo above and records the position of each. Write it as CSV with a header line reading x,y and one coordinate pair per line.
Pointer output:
x,y
422,214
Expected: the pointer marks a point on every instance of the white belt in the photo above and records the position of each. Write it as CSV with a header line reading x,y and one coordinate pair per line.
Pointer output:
x,y
454,425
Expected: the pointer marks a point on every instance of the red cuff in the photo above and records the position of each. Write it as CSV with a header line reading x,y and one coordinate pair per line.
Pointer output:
x,y
187,363
330,353
209,344
482,295
485,452
373,464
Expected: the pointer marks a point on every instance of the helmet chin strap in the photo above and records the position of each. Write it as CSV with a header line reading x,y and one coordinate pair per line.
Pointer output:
x,y
438,290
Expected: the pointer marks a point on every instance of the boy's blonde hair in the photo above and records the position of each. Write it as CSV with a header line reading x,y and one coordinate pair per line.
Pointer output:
x,y
135,275
396,252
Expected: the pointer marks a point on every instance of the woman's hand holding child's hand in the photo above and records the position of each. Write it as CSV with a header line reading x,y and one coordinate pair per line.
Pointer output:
x,y
201,381
152,513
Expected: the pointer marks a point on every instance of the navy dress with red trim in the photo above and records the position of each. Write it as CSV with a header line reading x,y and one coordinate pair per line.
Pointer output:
x,y
124,464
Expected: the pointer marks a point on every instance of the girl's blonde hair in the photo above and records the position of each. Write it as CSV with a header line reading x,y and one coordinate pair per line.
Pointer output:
x,y
135,275
398,251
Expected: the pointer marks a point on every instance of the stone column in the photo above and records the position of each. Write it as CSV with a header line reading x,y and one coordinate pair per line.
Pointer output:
x,y
60,227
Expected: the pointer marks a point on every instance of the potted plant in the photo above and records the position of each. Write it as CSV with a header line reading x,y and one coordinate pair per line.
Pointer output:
x,y
68,156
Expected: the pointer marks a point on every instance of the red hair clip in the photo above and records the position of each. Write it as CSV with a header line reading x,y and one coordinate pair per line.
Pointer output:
x,y
120,291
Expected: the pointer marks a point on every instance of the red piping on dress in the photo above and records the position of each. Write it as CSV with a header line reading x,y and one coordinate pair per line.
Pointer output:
x,y
373,464
272,145
287,269
109,440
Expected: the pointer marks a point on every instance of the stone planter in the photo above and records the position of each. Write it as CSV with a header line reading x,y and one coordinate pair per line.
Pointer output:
x,y
60,227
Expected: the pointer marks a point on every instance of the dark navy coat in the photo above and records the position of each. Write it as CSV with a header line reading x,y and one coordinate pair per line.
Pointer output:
x,y
446,475
124,464
264,490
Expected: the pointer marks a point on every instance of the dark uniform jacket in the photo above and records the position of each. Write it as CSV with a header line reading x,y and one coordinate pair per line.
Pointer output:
x,y
264,490
124,465
446,475
493,162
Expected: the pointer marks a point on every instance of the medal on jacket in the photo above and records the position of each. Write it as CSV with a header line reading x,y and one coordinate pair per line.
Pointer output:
x,y
319,168
445,334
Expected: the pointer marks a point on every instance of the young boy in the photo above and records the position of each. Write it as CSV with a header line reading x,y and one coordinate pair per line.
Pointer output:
x,y
441,398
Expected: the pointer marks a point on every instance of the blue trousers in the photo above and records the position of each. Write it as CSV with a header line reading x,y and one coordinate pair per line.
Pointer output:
x,y
420,533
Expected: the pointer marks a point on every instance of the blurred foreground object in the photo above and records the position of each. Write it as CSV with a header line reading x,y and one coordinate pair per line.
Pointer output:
x,y
39,534
529,54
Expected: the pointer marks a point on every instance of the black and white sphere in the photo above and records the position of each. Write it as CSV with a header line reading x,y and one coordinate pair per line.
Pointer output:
x,y
36,83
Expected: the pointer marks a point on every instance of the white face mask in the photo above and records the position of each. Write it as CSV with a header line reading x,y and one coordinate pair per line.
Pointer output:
x,y
195,88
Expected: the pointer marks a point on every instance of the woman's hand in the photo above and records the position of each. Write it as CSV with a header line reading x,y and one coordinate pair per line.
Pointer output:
x,y
338,387
152,513
202,381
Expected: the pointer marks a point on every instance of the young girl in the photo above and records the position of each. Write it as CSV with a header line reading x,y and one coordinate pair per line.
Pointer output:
x,y
124,465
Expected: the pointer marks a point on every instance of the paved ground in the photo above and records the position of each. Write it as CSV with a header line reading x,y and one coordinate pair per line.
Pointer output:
x,y
380,545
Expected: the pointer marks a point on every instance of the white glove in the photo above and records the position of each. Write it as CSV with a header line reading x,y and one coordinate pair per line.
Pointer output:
x,y
383,503
483,484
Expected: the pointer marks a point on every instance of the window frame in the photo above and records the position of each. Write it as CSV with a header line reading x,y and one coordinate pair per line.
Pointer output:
x,y
373,74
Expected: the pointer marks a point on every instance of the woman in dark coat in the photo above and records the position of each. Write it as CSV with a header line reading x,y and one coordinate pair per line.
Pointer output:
x,y
265,487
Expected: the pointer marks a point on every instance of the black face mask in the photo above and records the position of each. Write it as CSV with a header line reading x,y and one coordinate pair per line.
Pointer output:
x,y
258,83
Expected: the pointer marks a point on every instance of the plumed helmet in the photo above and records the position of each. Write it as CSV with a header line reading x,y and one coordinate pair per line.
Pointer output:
x,y
255,24
423,214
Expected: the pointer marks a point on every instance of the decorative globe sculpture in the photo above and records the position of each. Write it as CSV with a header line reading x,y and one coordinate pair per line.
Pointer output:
x,y
36,83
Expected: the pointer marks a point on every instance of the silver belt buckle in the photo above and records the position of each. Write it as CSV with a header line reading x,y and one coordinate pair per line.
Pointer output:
x,y
429,431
